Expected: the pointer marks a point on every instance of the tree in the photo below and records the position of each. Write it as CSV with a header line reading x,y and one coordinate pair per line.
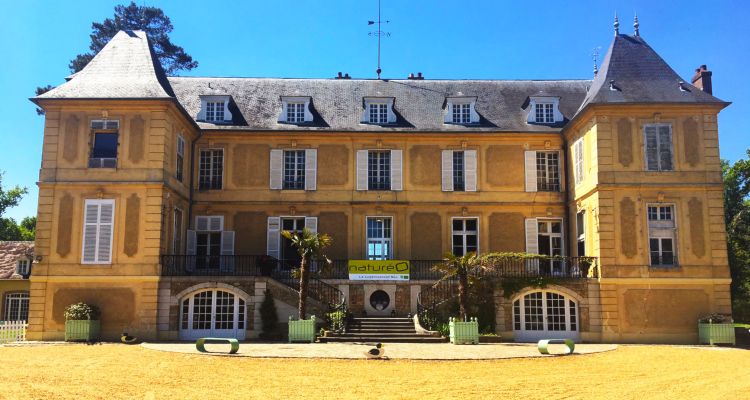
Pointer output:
x,y
737,218
153,21
28,228
9,229
268,315
309,244
461,267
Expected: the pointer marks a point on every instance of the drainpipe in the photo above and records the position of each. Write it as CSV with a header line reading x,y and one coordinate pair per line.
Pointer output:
x,y
566,196
192,176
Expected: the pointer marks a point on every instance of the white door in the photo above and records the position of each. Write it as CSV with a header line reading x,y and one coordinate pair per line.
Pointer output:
x,y
212,313
545,315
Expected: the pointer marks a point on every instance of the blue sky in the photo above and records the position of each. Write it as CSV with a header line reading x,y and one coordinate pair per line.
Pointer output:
x,y
441,39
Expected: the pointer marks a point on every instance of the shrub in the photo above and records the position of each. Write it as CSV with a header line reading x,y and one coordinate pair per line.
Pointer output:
x,y
268,316
715,319
82,312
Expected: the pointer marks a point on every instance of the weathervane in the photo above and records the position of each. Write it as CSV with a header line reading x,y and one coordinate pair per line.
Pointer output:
x,y
379,33
594,55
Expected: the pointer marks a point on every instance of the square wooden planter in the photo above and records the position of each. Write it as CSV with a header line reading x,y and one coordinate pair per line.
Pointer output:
x,y
303,330
711,333
464,332
86,330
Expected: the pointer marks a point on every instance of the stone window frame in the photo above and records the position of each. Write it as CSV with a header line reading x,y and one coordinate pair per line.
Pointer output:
x,y
213,149
464,232
391,240
661,227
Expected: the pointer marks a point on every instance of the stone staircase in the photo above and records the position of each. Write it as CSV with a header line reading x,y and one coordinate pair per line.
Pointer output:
x,y
381,330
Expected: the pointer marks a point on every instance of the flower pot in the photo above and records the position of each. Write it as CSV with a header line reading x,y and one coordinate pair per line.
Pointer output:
x,y
464,332
303,330
711,333
85,330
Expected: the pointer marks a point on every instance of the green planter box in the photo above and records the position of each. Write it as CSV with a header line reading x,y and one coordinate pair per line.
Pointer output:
x,y
86,330
464,332
716,333
303,330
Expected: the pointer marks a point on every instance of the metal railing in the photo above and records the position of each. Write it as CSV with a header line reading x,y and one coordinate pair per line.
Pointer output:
x,y
431,301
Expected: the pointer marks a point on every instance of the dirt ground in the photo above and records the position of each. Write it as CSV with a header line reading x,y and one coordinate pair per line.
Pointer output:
x,y
132,372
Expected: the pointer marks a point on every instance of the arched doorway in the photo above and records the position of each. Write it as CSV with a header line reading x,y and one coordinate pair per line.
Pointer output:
x,y
545,314
214,313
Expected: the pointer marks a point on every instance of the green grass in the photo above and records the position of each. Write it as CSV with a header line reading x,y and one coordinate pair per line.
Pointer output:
x,y
742,326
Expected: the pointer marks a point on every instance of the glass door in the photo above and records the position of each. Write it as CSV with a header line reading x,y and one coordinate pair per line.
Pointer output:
x,y
545,315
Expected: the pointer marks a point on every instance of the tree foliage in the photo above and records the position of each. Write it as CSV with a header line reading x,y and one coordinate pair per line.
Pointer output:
x,y
737,217
268,315
153,21
309,244
9,229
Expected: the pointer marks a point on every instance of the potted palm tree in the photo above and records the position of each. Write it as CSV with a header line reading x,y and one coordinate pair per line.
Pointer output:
x,y
462,330
309,244
82,322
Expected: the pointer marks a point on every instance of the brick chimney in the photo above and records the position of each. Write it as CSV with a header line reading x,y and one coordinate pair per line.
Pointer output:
x,y
702,80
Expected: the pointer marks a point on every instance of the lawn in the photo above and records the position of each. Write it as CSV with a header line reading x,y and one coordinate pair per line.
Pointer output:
x,y
113,372
742,326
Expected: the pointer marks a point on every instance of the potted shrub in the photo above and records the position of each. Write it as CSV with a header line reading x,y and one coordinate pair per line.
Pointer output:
x,y
302,330
268,319
464,332
716,328
82,322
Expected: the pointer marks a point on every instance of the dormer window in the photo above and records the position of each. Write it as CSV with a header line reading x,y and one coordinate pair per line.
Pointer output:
x,y
23,266
461,111
544,110
295,110
215,109
378,111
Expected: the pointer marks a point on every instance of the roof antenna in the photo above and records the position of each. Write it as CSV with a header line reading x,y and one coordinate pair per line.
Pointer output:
x,y
143,16
636,25
379,33
617,25
594,55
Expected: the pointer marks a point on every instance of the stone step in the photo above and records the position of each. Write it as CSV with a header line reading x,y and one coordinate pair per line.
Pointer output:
x,y
381,319
376,334
369,331
371,340
384,326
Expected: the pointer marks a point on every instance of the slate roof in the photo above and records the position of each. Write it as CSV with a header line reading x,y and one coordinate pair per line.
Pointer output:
x,y
338,104
125,68
10,252
640,76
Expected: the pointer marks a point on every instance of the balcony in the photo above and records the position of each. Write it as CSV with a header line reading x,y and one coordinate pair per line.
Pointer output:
x,y
263,265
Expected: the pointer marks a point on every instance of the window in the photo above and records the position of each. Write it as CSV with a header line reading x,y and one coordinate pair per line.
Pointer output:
x,y
658,143
578,160
16,307
378,113
661,232
214,111
211,171
379,238
379,170
461,113
581,232
208,242
550,237
294,169
177,232
23,266
545,113
288,250
465,236
547,171
459,174
104,151
180,160
295,112
98,223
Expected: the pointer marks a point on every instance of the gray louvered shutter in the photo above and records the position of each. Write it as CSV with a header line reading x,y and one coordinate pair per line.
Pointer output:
x,y
362,169
106,224
311,169
216,223
277,169
90,229
532,236
227,249
190,244
447,170
470,169
274,238
665,147
652,147
311,223
530,168
98,231
396,170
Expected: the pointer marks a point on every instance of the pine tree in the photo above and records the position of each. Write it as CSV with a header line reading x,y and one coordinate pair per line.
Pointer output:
x,y
268,315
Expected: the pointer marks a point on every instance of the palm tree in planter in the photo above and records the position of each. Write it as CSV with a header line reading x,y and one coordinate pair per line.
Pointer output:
x,y
462,267
309,244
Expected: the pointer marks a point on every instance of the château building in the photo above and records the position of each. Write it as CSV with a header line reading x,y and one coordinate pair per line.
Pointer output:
x,y
161,199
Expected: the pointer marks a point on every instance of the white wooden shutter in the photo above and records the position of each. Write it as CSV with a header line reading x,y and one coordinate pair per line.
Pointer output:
x,y
447,170
396,170
578,160
201,223
311,169
652,147
227,249
191,241
665,147
311,223
274,239
362,169
98,231
180,145
530,167
532,236
277,168
216,223
470,169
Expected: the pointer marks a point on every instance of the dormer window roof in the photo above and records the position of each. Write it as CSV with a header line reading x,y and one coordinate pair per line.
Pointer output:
x,y
295,110
544,108
378,111
461,111
215,109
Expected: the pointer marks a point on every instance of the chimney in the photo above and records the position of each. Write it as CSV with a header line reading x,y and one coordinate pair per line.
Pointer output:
x,y
702,80
418,77
346,76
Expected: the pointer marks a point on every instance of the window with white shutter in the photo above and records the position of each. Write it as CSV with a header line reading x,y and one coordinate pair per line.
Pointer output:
x,y
362,169
657,141
311,169
98,231
211,171
530,170
277,169
273,238
396,170
470,169
578,168
448,176
180,159
227,249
